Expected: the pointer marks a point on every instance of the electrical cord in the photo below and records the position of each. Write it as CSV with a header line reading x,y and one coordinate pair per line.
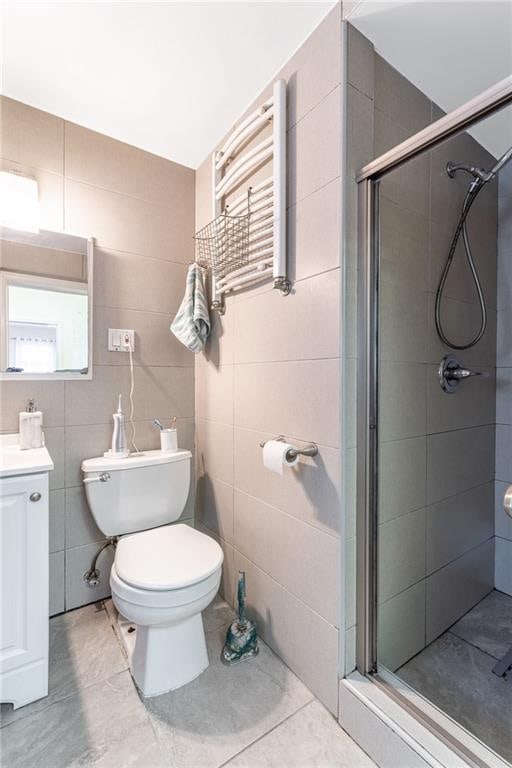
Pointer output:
x,y
134,446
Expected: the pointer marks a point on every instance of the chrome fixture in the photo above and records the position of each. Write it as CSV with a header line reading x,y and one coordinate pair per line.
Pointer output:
x,y
480,178
104,477
36,496
311,449
451,373
92,576
507,501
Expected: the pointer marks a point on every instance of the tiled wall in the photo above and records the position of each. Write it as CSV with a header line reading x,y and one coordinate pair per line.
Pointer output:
x,y
503,523
140,209
271,367
436,548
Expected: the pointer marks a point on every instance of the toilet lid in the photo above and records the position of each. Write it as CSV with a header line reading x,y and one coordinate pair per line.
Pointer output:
x,y
169,557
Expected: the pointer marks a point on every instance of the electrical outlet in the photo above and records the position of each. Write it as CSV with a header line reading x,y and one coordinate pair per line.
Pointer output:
x,y
121,340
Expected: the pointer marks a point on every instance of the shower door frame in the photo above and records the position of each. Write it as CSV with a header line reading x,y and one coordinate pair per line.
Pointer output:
x,y
368,178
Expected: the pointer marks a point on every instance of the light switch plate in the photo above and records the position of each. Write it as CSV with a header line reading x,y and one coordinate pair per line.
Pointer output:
x,y
121,340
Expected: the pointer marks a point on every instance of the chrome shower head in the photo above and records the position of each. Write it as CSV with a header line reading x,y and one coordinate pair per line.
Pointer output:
x,y
504,159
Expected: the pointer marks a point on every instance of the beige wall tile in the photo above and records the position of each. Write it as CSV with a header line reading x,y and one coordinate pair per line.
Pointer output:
x,y
292,630
48,397
350,582
289,398
119,277
155,344
314,148
312,247
214,450
310,491
229,578
15,257
214,393
403,322
360,61
297,555
104,162
31,137
214,501
397,97
305,324
124,223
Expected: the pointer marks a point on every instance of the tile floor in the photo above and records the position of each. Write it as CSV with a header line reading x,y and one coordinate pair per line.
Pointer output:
x,y
454,672
254,715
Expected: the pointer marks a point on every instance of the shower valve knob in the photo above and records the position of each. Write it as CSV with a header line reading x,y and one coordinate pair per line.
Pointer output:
x,y
507,501
451,373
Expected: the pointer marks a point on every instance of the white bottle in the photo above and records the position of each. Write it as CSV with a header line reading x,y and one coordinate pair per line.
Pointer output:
x,y
31,428
119,448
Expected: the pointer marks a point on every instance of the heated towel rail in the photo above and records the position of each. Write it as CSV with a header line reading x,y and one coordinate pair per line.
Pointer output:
x,y
236,193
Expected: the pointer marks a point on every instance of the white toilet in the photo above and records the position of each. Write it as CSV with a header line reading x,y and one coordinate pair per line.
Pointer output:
x,y
163,575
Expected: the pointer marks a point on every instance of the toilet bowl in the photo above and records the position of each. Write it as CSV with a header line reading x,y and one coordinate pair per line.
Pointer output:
x,y
163,575
161,581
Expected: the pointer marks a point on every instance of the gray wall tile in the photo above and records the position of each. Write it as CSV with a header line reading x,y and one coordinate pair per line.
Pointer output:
x,y
56,582
457,587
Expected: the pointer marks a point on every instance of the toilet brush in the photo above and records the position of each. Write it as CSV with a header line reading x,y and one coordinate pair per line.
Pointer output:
x,y
241,639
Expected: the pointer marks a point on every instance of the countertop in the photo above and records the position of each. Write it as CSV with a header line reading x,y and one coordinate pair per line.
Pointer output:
x,y
14,461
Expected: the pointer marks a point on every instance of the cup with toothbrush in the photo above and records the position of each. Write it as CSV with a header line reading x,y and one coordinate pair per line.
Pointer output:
x,y
168,436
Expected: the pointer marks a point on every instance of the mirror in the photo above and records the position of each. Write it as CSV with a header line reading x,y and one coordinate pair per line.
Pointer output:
x,y
46,305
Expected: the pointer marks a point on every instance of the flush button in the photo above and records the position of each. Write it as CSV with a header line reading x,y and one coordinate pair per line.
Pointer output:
x,y
35,496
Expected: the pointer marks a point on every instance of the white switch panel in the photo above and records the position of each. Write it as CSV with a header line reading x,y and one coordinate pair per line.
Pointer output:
x,y
121,340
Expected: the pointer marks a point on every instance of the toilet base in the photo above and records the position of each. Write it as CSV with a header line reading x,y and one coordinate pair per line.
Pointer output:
x,y
164,658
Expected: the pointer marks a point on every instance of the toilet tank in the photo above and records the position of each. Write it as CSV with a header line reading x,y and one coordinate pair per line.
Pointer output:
x,y
142,491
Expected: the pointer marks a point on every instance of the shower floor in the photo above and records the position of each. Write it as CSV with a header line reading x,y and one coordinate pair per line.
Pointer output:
x,y
455,672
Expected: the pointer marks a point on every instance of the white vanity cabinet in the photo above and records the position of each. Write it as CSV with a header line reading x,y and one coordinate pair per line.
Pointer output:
x,y
24,580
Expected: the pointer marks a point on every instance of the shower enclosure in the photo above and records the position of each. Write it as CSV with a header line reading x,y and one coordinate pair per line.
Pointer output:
x,y
434,560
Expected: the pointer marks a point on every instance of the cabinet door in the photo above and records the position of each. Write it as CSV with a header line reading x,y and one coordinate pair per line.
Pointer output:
x,y
23,570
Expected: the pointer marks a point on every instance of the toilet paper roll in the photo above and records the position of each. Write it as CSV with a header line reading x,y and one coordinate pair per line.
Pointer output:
x,y
274,456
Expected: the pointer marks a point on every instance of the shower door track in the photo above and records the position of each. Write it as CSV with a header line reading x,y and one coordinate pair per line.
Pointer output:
x,y
485,104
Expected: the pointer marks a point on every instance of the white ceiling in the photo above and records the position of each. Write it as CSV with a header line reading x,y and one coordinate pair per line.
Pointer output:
x,y
452,50
169,77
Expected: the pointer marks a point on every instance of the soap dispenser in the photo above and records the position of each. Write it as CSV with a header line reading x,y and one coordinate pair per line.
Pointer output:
x,y
119,448
31,427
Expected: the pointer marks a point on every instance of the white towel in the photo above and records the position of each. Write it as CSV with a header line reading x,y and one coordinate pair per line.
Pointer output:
x,y
192,322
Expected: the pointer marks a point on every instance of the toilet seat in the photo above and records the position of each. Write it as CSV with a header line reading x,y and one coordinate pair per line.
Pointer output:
x,y
169,558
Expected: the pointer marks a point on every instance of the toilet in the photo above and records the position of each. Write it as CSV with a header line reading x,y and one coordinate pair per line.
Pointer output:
x,y
163,575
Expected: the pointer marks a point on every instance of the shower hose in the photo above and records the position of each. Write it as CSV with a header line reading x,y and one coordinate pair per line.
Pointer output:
x,y
470,198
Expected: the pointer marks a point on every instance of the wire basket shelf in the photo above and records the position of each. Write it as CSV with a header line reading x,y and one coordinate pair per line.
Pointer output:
x,y
223,244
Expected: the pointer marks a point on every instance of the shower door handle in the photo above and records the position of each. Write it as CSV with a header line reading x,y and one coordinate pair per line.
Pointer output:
x,y
507,501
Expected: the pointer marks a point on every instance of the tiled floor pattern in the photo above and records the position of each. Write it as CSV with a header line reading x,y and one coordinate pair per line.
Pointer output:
x,y
454,672
254,715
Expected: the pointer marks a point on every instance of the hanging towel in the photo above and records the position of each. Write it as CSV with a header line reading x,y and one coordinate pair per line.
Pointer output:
x,y
191,325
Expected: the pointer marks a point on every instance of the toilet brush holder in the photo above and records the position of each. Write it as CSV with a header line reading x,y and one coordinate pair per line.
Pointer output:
x,y
241,639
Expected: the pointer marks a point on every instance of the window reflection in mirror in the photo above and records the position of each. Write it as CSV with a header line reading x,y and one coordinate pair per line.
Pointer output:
x,y
45,298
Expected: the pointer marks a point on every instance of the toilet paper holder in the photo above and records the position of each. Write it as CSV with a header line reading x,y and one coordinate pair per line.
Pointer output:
x,y
311,449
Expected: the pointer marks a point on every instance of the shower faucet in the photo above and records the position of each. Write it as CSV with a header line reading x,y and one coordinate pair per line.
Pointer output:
x,y
451,373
